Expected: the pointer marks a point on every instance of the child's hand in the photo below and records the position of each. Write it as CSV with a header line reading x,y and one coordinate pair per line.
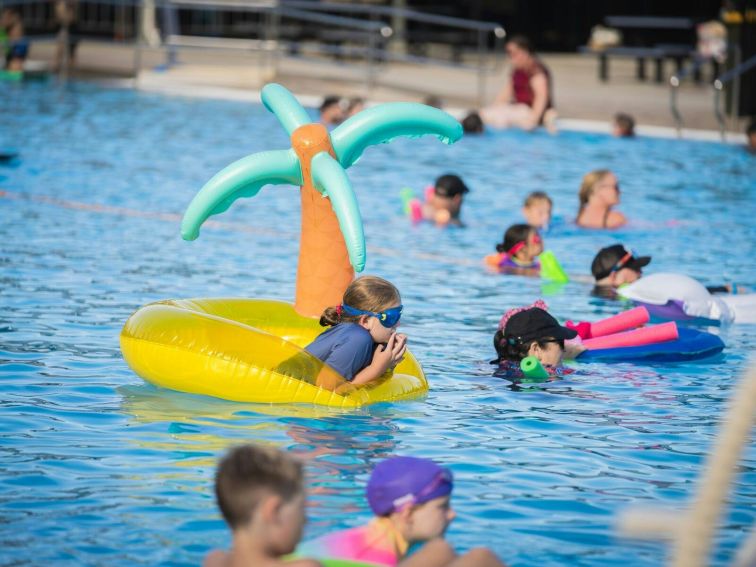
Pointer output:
x,y
389,355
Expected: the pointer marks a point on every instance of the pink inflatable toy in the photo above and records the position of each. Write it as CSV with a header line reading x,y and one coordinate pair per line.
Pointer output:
x,y
645,336
636,317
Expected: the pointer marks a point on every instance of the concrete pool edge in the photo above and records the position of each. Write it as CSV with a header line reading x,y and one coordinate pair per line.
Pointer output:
x,y
313,101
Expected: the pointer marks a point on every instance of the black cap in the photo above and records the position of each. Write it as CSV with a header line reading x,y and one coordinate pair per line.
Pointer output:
x,y
534,324
612,258
450,185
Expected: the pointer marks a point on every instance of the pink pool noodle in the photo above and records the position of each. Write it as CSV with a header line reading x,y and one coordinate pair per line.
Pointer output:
x,y
636,317
644,336
416,210
430,191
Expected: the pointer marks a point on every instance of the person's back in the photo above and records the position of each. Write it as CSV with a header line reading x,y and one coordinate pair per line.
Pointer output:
x,y
260,493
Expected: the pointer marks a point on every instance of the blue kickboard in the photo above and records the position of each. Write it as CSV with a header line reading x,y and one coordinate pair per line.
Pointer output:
x,y
691,345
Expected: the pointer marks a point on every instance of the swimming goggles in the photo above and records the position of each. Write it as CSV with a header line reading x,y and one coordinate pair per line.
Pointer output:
x,y
536,239
622,261
388,317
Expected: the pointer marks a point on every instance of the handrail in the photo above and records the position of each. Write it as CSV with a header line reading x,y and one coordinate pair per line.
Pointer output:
x,y
719,83
391,11
479,27
674,83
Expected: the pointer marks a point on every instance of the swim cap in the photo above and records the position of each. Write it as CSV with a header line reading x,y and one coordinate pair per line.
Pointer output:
x,y
402,481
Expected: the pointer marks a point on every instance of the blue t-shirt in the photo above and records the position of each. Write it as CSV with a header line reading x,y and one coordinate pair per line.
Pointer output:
x,y
346,347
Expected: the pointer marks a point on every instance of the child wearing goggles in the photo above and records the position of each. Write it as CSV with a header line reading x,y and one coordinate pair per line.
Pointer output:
x,y
518,253
362,343
410,499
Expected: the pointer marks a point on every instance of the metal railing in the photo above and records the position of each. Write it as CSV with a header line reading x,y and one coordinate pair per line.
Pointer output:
x,y
484,31
356,35
674,84
733,75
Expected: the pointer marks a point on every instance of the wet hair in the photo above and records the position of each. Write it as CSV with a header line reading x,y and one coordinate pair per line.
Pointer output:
x,y
536,196
472,123
589,183
514,351
522,42
626,124
247,474
330,101
514,234
369,293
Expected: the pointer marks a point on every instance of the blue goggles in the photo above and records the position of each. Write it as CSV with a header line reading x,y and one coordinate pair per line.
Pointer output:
x,y
388,318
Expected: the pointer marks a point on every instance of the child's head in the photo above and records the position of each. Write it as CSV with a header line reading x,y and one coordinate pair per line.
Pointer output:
x,y
472,123
521,241
623,125
616,265
370,301
537,209
531,332
600,185
333,110
448,194
415,494
355,104
261,488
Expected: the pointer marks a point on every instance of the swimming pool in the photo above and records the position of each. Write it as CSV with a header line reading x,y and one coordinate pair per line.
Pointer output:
x,y
100,468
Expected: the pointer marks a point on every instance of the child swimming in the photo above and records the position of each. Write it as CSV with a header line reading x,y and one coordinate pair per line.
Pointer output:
x,y
362,343
615,266
445,204
519,251
537,210
410,498
531,331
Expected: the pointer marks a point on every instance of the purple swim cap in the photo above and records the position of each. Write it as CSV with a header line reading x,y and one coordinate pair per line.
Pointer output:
x,y
401,481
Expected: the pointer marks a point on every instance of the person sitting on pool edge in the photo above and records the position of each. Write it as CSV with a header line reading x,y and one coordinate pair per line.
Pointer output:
x,y
519,251
445,204
410,498
599,192
532,331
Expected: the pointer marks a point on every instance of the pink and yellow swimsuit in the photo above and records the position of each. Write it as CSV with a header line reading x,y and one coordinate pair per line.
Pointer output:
x,y
377,542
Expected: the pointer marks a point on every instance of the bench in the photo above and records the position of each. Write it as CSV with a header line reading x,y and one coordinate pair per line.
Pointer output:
x,y
640,39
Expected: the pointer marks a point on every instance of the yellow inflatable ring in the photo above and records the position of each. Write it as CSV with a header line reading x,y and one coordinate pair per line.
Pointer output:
x,y
248,350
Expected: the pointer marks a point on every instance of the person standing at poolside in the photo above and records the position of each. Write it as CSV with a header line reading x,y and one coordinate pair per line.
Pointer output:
x,y
17,44
526,101
599,192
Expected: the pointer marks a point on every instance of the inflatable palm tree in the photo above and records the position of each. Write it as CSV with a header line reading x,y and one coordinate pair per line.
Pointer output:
x,y
332,242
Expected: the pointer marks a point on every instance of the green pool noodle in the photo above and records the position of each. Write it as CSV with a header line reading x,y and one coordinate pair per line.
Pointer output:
x,y
406,194
531,367
11,75
551,269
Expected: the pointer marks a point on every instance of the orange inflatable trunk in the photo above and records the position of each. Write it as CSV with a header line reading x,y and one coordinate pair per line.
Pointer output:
x,y
324,271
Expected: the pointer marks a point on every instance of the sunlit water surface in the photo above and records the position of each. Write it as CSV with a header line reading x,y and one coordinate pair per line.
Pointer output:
x,y
99,468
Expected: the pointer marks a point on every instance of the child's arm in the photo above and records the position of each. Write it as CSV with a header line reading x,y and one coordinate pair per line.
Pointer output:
x,y
385,357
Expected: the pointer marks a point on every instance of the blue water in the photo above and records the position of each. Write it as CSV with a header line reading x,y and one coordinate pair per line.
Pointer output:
x,y
99,468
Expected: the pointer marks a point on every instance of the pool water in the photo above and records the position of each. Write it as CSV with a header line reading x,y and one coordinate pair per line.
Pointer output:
x,y
100,468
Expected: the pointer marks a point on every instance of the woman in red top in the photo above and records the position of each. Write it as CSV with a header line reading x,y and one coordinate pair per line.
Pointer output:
x,y
525,101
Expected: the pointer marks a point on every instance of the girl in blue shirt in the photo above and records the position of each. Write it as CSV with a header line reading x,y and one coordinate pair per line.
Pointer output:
x,y
362,343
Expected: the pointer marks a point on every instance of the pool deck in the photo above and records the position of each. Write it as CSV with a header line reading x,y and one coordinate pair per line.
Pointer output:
x,y
583,101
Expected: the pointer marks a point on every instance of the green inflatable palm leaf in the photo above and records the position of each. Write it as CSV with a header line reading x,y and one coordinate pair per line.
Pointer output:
x,y
243,178
385,122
